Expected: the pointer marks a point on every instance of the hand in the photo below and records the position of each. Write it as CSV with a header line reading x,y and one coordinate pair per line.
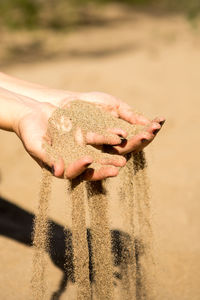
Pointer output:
x,y
30,122
59,97
119,109
31,129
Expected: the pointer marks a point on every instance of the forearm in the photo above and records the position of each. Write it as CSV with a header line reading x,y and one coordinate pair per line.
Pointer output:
x,y
12,107
35,91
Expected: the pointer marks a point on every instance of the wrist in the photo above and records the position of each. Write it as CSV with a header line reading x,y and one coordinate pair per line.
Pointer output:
x,y
26,107
23,109
56,97
13,108
40,93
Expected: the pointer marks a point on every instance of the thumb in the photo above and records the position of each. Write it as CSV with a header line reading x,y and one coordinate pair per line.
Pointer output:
x,y
39,154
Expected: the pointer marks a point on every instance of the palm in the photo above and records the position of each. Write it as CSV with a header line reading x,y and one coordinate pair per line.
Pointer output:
x,y
32,131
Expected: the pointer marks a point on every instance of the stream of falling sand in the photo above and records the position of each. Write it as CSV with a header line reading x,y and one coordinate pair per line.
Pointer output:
x,y
101,241
144,242
79,240
40,242
136,259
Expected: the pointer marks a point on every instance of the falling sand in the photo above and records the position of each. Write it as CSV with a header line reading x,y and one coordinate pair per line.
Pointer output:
x,y
40,242
95,250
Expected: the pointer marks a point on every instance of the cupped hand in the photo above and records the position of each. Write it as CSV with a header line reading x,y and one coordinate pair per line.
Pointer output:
x,y
121,110
32,128
33,125
116,107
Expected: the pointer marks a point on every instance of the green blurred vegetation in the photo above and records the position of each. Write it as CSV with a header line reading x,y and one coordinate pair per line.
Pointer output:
x,y
60,14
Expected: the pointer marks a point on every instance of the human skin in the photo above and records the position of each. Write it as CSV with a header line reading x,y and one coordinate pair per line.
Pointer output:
x,y
26,108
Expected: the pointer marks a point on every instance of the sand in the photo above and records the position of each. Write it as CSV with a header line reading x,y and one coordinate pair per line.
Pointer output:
x,y
152,65
67,122
128,206
41,238
61,132
79,240
101,241
144,244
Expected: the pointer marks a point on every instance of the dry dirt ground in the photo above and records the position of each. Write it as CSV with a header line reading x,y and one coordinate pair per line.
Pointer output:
x,y
152,63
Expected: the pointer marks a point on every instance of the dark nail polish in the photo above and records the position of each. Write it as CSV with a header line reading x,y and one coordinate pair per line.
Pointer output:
x,y
52,170
87,165
144,140
89,172
123,142
156,131
162,122
47,167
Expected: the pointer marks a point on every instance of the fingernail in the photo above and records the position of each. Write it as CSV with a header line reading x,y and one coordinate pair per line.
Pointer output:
x,y
87,165
156,131
162,122
144,140
52,170
122,138
89,172
123,141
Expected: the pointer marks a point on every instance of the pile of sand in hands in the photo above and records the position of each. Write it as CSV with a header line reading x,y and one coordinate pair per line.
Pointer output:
x,y
72,127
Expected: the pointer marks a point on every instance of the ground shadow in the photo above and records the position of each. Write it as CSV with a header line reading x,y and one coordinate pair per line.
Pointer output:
x,y
17,224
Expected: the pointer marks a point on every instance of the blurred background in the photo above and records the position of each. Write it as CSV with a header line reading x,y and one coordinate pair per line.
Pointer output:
x,y
27,27
145,52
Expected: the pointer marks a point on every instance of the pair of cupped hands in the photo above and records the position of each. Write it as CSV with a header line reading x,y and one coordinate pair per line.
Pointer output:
x,y
32,129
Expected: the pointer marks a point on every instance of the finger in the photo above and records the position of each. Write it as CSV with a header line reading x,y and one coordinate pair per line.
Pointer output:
x,y
153,128
119,132
40,156
125,113
110,108
58,168
114,160
78,167
160,120
139,141
93,138
38,153
79,137
102,173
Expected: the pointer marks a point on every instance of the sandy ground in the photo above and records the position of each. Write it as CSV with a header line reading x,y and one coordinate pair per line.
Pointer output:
x,y
152,63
